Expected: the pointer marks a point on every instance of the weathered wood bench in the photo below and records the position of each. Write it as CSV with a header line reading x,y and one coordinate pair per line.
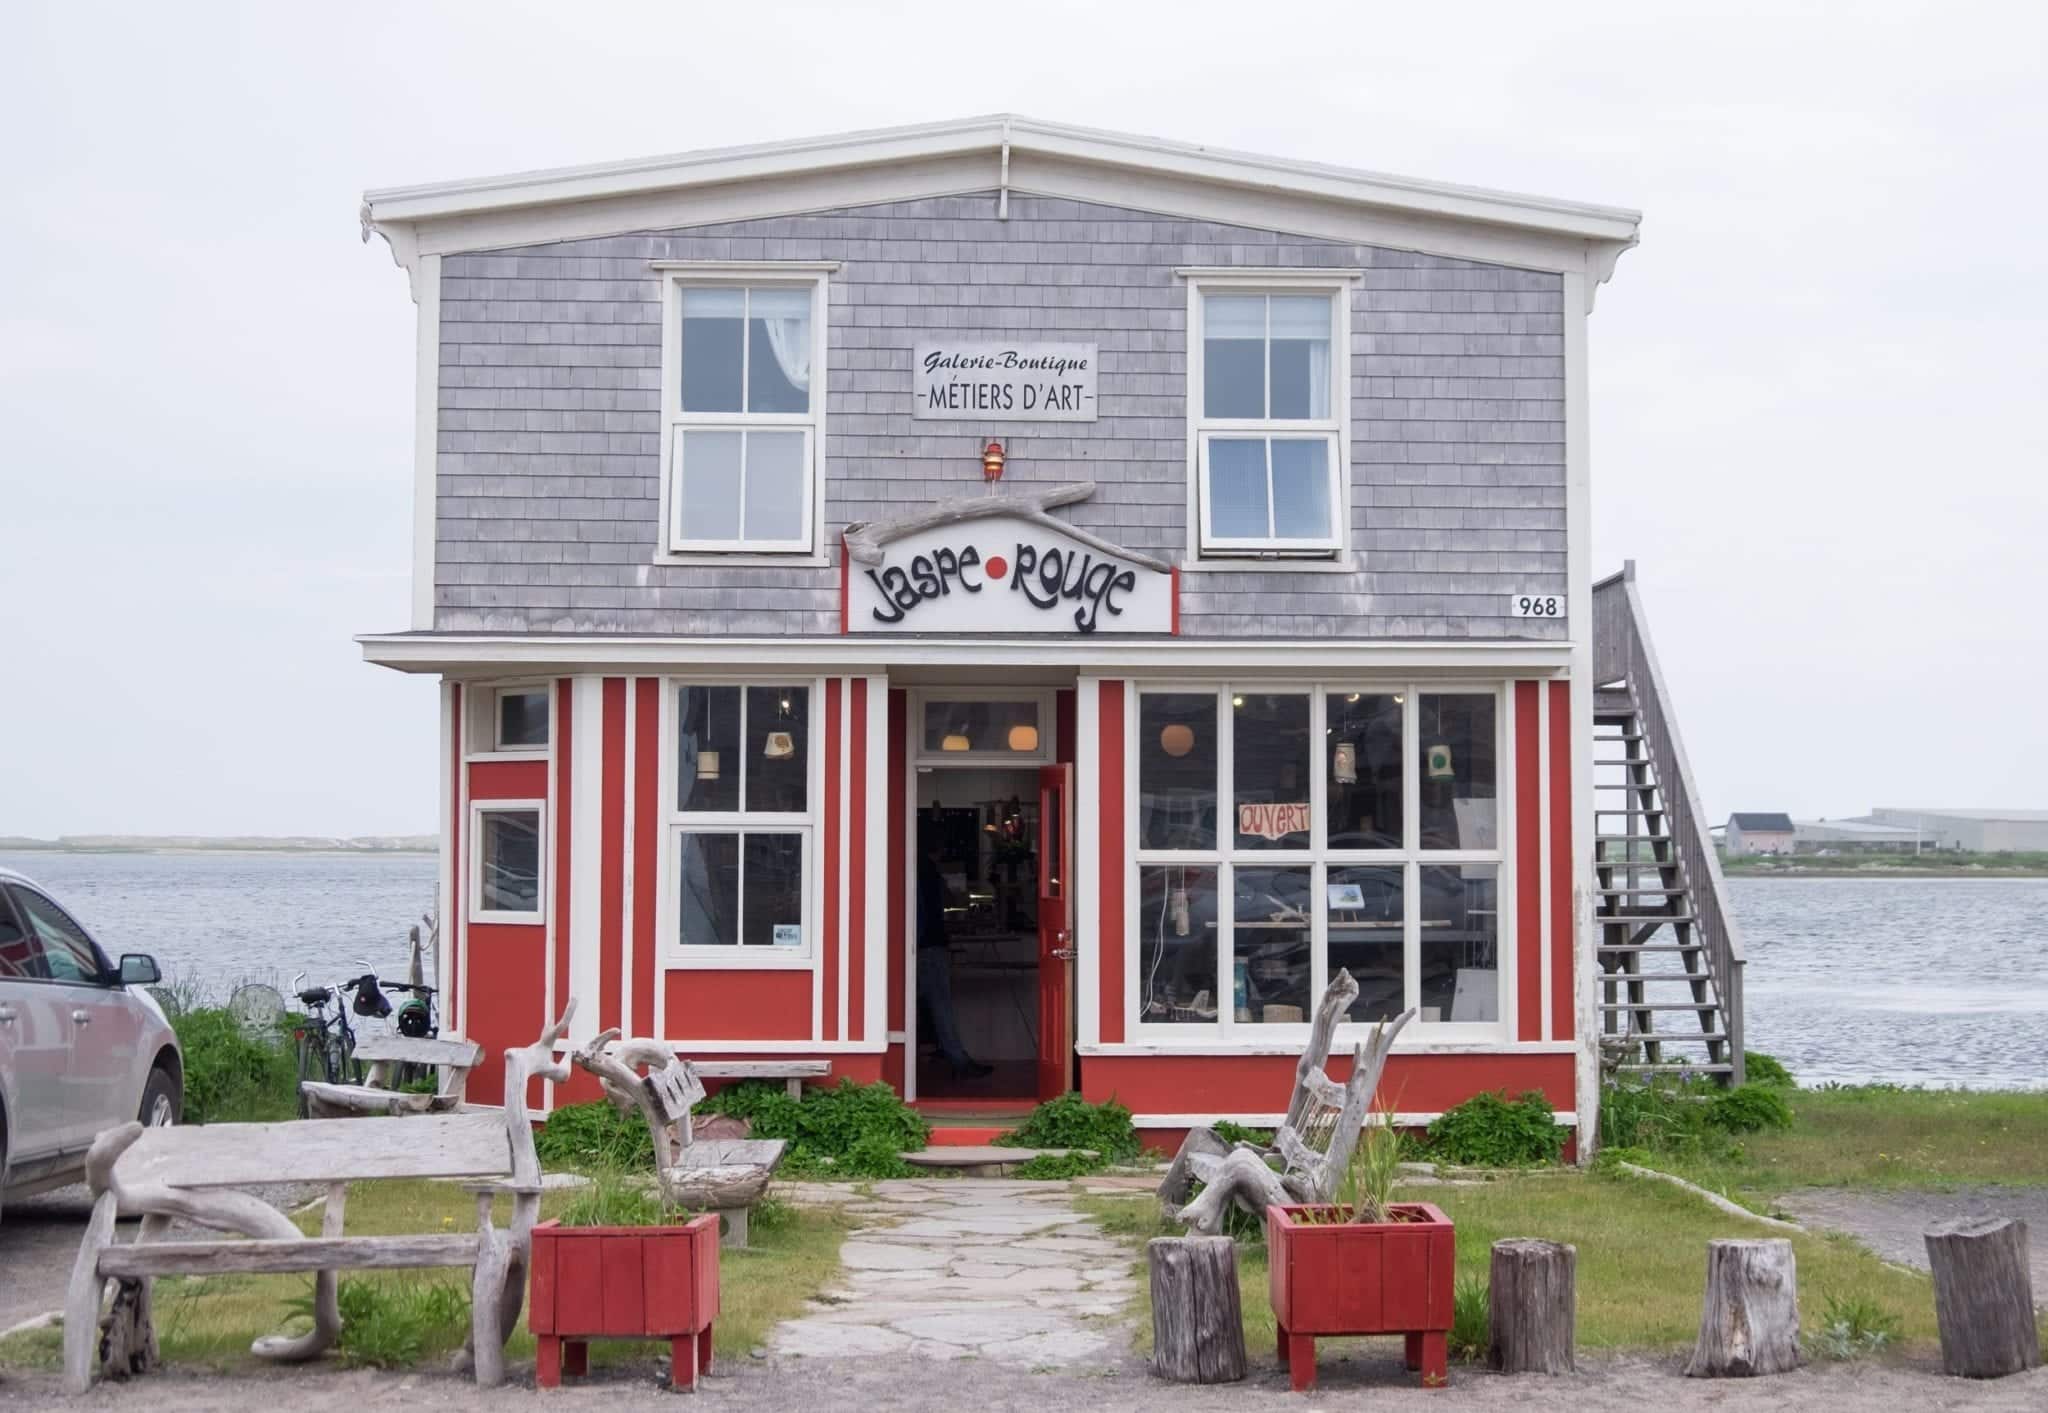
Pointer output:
x,y
188,1174
379,1095
794,1072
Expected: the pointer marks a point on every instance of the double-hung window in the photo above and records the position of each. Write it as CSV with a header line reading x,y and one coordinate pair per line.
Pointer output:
x,y
743,391
1267,401
1283,833
742,822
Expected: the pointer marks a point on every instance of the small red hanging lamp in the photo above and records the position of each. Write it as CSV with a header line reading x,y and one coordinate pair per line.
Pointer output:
x,y
992,463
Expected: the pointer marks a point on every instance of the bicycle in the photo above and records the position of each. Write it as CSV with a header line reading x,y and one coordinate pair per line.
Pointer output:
x,y
326,1042
415,1020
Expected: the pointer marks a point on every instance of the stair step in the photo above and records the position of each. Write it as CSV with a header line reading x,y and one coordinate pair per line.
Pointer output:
x,y
1616,919
1623,736
1675,1068
1619,948
1640,889
1625,785
1612,1006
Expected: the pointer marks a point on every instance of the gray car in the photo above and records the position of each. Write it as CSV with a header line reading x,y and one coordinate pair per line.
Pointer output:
x,y
83,1046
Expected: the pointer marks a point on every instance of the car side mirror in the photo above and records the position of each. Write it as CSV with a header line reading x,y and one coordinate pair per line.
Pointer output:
x,y
139,969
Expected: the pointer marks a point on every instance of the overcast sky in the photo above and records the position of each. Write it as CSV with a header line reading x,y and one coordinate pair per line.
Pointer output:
x,y
1817,387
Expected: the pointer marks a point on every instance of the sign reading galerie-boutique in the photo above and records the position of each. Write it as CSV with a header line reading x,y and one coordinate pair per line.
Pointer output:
x,y
1017,382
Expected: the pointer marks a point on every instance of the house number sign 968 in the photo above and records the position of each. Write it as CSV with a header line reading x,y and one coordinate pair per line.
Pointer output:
x,y
1536,605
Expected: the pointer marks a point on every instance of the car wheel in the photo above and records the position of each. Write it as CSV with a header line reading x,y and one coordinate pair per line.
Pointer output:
x,y
161,1101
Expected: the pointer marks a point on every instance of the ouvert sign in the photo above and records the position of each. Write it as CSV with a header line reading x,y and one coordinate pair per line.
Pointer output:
x,y
1013,382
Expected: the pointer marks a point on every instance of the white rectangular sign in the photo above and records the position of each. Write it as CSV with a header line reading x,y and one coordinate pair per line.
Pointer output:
x,y
1010,382
1536,605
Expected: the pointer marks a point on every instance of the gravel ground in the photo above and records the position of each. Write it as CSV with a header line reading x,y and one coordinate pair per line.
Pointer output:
x,y
1893,1224
1371,1379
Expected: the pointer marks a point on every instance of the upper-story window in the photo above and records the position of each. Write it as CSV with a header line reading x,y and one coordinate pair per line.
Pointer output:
x,y
1268,410
743,392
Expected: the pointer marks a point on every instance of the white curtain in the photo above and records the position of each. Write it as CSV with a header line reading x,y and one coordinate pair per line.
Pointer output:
x,y
1306,318
786,314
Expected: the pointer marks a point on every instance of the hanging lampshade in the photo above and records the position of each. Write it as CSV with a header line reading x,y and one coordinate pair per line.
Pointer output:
x,y
1439,758
1023,737
1177,740
779,745
956,741
1344,763
707,765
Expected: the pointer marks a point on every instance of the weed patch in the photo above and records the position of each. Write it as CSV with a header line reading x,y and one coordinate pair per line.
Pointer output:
x,y
1490,1130
1471,1321
1072,1122
848,1131
232,1076
594,1137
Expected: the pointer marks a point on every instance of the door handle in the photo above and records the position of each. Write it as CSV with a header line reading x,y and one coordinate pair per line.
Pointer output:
x,y
81,1017
1065,954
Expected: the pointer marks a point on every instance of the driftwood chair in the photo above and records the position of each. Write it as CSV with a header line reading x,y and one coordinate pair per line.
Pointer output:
x,y
189,1175
726,1176
377,1094
1313,1146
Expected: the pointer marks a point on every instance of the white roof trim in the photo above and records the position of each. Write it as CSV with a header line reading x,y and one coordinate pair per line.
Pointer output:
x,y
409,205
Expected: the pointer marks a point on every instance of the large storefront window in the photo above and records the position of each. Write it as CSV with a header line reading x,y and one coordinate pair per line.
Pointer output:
x,y
1377,851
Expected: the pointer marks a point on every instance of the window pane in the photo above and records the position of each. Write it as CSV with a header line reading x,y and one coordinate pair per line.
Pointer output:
x,y
1270,761
68,954
708,890
772,878
778,748
522,719
1271,973
1363,758
1301,355
1177,770
709,499
708,748
511,861
1176,945
776,495
1301,489
713,325
1366,937
1233,355
21,953
1237,488
779,350
1010,728
1458,787
1460,931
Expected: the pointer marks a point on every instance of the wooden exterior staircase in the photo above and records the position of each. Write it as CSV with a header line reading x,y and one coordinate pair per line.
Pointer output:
x,y
1670,979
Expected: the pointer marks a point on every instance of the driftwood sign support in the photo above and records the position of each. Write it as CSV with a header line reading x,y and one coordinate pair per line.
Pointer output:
x,y
1984,1298
1533,1305
1197,1325
1749,1323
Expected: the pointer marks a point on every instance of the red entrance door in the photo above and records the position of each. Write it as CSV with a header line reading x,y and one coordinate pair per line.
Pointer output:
x,y
1055,930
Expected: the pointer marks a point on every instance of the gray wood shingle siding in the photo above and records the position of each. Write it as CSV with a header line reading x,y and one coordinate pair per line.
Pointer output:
x,y
550,395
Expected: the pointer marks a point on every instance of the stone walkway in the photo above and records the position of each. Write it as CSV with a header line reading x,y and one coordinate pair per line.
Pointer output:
x,y
953,1268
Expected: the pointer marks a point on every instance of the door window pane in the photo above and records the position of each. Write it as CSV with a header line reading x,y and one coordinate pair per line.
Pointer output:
x,y
1301,488
1300,355
712,352
1271,945
774,501
1363,761
708,502
1233,355
21,955
522,719
1459,808
1460,943
1270,755
511,861
778,350
772,887
1237,488
1177,943
1177,770
708,890
1004,728
68,954
1366,929
708,748
778,749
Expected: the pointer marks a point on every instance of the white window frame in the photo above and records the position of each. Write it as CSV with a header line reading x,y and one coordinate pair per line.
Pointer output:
x,y
1206,548
477,912
1048,727
481,720
677,276
675,823
1226,1031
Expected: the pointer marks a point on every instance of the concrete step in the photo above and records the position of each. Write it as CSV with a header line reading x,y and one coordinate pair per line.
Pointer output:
x,y
979,1160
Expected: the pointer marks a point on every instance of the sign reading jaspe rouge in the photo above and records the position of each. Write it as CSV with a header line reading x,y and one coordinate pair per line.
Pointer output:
x,y
1016,382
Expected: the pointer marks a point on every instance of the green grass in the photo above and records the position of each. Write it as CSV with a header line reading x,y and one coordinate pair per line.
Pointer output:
x,y
207,1323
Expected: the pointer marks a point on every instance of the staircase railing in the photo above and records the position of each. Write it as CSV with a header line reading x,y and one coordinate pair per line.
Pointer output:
x,y
1622,653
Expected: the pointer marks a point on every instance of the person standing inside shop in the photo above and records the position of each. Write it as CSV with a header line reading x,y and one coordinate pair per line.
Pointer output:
x,y
935,966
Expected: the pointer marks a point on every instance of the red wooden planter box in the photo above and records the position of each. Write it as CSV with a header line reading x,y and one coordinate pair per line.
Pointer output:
x,y
624,1283
1362,1279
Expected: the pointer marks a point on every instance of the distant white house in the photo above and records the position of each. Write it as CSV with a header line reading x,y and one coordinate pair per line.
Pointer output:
x,y
1979,831
1760,834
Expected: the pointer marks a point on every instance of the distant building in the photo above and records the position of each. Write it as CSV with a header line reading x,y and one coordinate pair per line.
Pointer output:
x,y
1978,831
1854,836
1760,834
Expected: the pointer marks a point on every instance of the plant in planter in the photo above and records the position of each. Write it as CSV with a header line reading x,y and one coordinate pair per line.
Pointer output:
x,y
620,1263
1363,1264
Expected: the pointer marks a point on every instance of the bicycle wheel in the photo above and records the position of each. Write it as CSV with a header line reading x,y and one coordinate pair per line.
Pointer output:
x,y
305,1047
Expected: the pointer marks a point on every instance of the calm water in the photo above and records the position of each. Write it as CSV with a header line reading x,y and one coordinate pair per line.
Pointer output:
x,y
1918,981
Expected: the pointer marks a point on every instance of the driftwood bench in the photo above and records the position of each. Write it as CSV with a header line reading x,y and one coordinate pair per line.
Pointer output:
x,y
189,1175
379,1094
792,1072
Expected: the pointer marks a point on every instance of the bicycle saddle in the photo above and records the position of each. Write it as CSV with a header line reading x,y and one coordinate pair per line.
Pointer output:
x,y
315,995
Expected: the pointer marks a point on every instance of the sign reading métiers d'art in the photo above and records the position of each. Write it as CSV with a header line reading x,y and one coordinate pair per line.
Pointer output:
x,y
1016,382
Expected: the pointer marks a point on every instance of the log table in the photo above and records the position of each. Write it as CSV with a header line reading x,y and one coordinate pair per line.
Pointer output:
x,y
1197,1322
1749,1321
1532,1306
1984,1298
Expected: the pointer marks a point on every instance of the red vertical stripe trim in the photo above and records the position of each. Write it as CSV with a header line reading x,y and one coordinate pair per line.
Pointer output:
x,y
1173,626
1563,979
453,932
857,867
899,854
647,845
828,937
611,902
1529,823
1109,926
562,735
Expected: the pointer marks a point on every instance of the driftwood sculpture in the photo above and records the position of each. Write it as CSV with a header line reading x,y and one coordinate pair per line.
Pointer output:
x,y
864,539
726,1176
1313,1146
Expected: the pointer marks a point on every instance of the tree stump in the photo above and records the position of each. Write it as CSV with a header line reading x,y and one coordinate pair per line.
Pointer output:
x,y
1197,1324
1749,1322
1533,1306
1984,1298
